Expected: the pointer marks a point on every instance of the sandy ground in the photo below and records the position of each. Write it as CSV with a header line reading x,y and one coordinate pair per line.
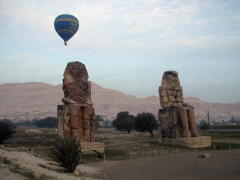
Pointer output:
x,y
42,167
222,165
5,174
182,165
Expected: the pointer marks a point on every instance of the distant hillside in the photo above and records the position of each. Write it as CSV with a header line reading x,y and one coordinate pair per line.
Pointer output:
x,y
26,101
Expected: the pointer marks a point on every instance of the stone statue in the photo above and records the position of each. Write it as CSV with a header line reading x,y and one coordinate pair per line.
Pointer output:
x,y
177,118
76,87
77,116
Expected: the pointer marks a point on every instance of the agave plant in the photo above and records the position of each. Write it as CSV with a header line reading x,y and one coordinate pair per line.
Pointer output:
x,y
67,153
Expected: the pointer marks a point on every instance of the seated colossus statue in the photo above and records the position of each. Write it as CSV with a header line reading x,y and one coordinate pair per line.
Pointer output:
x,y
177,118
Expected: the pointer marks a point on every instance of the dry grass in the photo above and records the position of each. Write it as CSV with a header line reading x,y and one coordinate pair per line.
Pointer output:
x,y
119,145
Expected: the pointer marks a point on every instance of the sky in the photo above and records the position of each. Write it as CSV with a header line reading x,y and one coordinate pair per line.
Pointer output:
x,y
127,44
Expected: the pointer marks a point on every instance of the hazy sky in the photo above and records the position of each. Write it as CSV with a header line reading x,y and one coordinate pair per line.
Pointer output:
x,y
127,44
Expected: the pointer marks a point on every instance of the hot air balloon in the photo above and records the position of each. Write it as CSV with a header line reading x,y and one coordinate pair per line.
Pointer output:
x,y
66,26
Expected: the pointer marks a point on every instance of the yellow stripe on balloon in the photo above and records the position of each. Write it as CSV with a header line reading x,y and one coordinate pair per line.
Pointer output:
x,y
65,19
65,30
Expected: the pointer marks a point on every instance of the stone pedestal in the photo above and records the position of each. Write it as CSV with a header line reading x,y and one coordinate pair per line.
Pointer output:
x,y
92,147
77,120
178,121
77,116
176,117
190,142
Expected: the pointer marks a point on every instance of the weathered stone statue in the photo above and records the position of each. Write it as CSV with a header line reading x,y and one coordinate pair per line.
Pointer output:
x,y
177,118
76,87
77,116
77,113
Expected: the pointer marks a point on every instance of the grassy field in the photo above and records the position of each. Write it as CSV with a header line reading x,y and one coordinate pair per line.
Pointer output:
x,y
22,139
218,134
119,145
225,126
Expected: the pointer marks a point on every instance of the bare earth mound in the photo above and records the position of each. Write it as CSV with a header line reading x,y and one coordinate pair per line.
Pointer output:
x,y
38,166
25,101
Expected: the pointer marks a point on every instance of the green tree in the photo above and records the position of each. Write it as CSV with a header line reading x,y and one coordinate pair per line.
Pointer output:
x,y
48,122
67,153
124,122
6,130
204,125
145,122
99,120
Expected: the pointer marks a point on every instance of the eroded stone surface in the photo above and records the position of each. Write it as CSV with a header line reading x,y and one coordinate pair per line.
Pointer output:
x,y
77,116
76,87
170,91
177,118
190,142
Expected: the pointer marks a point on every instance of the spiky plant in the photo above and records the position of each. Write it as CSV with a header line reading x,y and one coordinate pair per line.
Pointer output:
x,y
67,153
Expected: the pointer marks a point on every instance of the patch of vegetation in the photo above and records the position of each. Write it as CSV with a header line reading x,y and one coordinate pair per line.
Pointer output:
x,y
170,147
225,126
5,160
224,146
48,122
112,153
94,157
213,147
16,168
124,122
167,178
203,125
222,134
6,130
145,122
7,121
67,153
22,139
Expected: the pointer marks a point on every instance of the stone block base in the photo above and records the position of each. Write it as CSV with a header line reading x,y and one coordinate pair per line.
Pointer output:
x,y
91,147
190,142
77,120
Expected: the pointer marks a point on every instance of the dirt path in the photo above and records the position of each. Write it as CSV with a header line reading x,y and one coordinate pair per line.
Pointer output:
x,y
5,174
181,166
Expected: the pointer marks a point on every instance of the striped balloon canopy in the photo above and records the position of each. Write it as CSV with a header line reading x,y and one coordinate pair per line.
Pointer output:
x,y
66,26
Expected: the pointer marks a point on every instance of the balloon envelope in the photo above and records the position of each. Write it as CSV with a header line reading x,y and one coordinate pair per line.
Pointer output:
x,y
66,26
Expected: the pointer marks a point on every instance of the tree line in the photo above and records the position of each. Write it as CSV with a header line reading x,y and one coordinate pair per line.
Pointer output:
x,y
48,122
7,127
142,122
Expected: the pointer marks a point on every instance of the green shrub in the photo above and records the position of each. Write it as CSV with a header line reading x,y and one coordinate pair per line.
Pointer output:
x,y
67,153
6,131
48,122
124,122
145,122
203,125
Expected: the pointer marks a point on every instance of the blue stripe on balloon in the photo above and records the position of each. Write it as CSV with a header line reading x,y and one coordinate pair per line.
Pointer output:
x,y
67,16
65,30
66,26
65,35
66,19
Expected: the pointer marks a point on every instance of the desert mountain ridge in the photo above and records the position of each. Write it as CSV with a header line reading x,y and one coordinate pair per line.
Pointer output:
x,y
33,100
